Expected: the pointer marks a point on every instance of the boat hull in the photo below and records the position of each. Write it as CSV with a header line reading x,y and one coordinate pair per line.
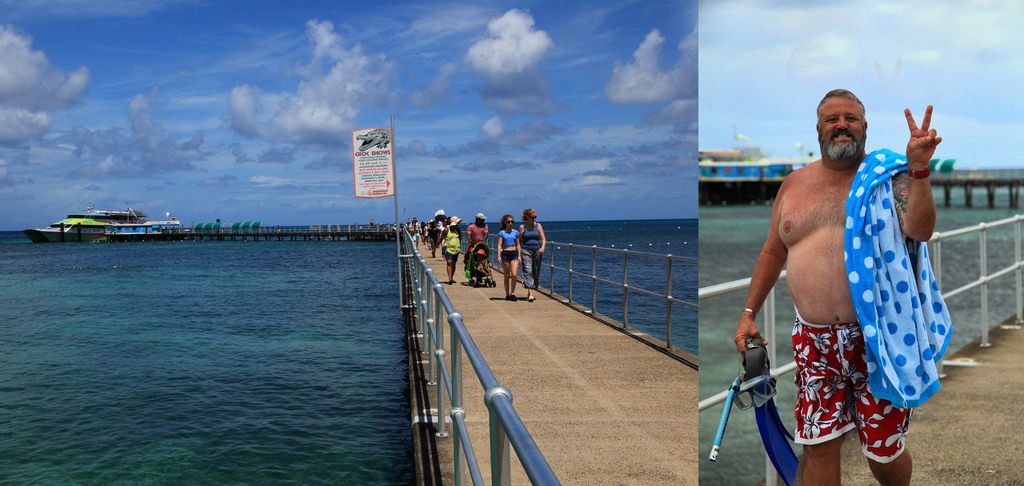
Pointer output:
x,y
53,235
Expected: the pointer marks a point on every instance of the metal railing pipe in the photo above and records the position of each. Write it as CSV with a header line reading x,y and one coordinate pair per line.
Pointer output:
x,y
593,281
983,265
627,289
668,301
1017,273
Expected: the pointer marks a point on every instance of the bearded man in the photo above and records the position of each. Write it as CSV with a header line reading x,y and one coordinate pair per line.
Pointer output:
x,y
822,219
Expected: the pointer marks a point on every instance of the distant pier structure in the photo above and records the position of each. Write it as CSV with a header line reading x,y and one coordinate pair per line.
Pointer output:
x,y
990,180
742,175
254,231
745,176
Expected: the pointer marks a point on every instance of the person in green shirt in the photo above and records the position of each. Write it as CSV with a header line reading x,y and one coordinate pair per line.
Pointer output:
x,y
452,246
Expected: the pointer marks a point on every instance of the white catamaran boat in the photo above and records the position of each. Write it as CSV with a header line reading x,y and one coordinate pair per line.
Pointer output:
x,y
88,225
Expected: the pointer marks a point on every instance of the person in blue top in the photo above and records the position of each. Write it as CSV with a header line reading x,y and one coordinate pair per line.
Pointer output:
x,y
531,248
508,257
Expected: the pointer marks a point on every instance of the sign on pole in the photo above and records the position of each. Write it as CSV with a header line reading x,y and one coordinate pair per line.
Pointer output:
x,y
373,162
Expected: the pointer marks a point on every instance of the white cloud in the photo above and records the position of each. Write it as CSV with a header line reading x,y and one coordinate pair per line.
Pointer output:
x,y
680,113
338,82
271,181
510,61
244,107
32,89
643,80
514,47
492,128
591,180
141,151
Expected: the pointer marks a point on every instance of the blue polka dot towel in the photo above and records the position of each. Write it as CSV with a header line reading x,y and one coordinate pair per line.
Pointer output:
x,y
905,322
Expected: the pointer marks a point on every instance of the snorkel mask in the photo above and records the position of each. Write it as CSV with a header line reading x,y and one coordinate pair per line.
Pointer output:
x,y
758,384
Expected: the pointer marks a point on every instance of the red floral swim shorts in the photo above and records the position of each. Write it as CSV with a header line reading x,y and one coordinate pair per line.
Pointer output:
x,y
833,395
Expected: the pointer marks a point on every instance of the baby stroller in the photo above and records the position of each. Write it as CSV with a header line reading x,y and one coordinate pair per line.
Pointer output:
x,y
479,255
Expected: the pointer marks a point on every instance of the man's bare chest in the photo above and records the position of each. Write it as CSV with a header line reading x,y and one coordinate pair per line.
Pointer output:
x,y
812,210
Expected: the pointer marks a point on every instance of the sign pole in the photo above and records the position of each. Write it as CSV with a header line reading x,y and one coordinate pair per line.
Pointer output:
x,y
398,224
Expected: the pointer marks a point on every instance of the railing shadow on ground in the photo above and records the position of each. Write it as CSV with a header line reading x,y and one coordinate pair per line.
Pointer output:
x,y
935,250
433,309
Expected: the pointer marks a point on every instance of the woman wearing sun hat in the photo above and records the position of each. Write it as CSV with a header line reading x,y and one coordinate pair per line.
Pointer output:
x,y
452,246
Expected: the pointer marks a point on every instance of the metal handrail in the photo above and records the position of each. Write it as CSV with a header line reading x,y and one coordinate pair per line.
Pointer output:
x,y
936,241
506,428
309,228
624,285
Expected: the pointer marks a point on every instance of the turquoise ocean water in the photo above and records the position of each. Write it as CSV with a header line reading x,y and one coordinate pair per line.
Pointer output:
x,y
730,240
233,362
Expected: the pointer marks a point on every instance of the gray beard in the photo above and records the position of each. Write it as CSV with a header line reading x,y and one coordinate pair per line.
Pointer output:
x,y
845,151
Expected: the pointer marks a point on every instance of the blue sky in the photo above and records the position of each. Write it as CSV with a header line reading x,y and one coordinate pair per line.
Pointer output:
x,y
767,77
243,110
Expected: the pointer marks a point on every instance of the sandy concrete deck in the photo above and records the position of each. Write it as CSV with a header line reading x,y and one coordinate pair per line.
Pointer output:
x,y
604,406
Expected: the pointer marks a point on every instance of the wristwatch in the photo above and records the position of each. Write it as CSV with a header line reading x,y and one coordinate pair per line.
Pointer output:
x,y
920,174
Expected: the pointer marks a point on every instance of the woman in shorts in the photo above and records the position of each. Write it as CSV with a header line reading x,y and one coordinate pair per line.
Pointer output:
x,y
508,257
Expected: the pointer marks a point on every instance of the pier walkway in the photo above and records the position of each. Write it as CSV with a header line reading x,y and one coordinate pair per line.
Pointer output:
x,y
604,406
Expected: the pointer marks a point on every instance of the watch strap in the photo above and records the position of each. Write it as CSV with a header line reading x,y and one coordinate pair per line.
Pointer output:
x,y
920,174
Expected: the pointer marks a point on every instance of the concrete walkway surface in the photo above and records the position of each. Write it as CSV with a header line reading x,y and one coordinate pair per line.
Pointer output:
x,y
604,406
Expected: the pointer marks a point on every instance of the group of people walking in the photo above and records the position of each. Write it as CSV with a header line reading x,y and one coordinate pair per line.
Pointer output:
x,y
517,247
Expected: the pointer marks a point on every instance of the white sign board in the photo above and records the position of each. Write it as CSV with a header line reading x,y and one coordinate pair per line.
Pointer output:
x,y
373,162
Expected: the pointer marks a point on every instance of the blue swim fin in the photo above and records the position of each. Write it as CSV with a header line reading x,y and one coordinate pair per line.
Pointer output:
x,y
776,437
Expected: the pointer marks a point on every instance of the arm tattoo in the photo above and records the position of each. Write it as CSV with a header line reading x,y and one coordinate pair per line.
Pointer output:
x,y
901,193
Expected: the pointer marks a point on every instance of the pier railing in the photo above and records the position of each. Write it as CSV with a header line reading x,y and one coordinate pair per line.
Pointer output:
x,y
935,251
433,310
309,228
589,272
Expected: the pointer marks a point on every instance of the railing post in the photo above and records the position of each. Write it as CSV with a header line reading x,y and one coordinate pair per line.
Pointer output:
x,y
770,476
1017,264
500,471
668,301
570,273
439,344
593,279
551,267
455,358
984,286
625,289
936,257
769,324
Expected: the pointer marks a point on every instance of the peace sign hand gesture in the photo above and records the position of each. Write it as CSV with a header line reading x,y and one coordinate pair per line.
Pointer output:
x,y
923,140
